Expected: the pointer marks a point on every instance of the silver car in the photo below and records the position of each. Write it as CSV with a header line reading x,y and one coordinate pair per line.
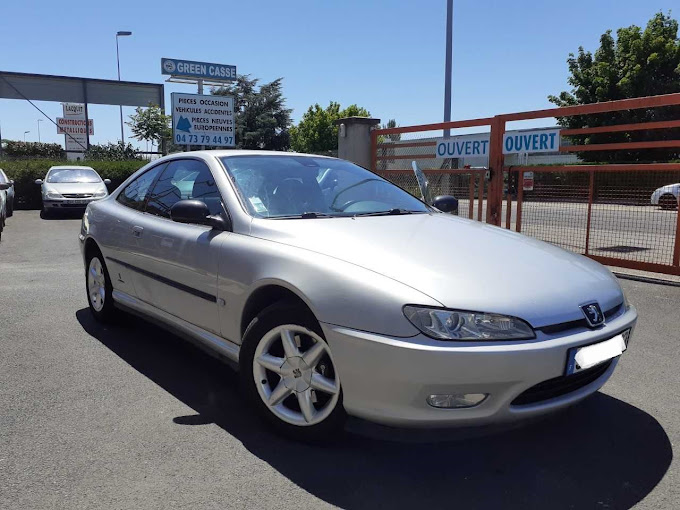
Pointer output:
x,y
338,293
71,187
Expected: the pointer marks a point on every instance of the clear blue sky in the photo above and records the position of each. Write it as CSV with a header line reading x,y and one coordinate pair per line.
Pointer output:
x,y
387,56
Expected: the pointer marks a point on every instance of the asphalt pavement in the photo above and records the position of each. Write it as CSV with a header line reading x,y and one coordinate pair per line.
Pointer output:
x,y
130,416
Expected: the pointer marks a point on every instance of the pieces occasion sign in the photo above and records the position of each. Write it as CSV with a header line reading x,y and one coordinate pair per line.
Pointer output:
x,y
203,120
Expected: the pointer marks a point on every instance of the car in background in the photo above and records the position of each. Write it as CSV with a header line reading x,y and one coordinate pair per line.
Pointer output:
x,y
66,188
339,293
9,206
4,186
666,197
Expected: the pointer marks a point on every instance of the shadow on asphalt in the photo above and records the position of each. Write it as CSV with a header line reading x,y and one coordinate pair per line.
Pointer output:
x,y
602,453
67,214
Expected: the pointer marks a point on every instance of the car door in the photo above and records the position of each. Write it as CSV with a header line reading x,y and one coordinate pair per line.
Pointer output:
x,y
178,263
120,241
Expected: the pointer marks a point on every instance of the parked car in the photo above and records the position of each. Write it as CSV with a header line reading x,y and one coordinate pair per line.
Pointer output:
x,y
71,187
666,197
4,186
9,206
338,293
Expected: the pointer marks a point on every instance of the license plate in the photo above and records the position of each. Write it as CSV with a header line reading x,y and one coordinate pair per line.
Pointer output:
x,y
583,358
75,202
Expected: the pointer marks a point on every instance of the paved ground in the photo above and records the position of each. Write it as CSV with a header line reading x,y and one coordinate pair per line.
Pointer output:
x,y
640,233
132,417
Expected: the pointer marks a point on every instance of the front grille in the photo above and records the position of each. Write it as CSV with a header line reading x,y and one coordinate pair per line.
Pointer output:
x,y
76,195
562,385
581,323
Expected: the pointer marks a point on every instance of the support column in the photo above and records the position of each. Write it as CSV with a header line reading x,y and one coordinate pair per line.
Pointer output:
x,y
354,139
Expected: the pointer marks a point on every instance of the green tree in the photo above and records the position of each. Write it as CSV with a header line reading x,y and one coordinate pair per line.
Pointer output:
x,y
636,63
151,124
317,131
262,120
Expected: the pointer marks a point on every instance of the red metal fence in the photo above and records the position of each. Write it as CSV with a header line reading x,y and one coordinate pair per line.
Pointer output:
x,y
601,210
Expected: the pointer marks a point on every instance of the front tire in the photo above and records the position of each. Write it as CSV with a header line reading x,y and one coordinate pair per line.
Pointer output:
x,y
10,210
288,375
99,288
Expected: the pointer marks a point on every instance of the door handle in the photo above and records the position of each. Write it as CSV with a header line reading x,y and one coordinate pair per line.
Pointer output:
x,y
137,231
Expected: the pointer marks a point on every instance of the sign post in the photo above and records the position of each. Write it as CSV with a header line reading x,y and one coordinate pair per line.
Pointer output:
x,y
72,126
189,71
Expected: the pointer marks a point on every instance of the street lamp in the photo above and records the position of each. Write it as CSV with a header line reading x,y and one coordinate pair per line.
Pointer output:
x,y
39,121
25,132
447,64
122,33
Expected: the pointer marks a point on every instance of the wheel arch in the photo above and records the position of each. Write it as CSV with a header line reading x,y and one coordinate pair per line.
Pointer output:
x,y
266,295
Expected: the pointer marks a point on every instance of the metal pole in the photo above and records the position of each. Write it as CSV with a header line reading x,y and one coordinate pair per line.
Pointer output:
x,y
120,107
200,91
449,58
39,121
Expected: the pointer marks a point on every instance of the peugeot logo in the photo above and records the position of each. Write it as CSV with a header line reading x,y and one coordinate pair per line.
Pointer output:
x,y
593,313
169,66
297,373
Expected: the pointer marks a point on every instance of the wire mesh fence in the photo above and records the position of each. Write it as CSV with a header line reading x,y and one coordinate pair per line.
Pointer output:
x,y
612,215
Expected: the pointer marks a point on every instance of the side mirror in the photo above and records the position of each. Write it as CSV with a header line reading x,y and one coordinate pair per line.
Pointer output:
x,y
38,181
196,212
107,181
4,185
446,203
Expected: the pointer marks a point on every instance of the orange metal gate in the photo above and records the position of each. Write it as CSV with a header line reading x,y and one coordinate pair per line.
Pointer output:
x,y
601,210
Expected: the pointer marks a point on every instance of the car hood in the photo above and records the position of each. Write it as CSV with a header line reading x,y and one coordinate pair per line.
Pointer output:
x,y
74,187
461,263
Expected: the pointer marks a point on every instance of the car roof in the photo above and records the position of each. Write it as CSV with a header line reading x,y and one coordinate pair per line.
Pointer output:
x,y
71,167
225,153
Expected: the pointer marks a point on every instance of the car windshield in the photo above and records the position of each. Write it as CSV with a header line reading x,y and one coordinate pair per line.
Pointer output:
x,y
302,186
72,175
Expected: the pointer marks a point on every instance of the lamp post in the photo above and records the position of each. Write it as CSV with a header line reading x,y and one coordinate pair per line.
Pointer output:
x,y
447,66
122,33
25,132
39,121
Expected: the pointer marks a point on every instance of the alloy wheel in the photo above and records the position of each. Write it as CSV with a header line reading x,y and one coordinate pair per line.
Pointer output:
x,y
96,284
295,376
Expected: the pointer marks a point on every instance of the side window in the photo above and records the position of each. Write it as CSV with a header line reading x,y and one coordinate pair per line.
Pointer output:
x,y
134,193
184,179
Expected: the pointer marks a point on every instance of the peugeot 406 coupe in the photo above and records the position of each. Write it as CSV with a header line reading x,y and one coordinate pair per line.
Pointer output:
x,y
338,293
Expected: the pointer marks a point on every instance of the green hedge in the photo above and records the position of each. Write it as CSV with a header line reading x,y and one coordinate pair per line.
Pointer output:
x,y
25,172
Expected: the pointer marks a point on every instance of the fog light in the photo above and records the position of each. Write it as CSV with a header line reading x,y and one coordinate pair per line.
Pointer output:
x,y
456,401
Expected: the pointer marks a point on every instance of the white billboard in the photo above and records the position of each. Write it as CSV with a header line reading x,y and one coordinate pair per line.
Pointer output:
x,y
203,120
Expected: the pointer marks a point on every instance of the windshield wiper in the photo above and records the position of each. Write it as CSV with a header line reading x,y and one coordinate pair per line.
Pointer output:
x,y
395,211
304,216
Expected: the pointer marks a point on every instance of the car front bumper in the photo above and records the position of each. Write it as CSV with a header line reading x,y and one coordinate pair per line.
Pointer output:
x,y
387,380
68,204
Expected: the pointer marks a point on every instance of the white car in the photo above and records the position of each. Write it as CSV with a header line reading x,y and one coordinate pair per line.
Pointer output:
x,y
71,187
667,196
9,193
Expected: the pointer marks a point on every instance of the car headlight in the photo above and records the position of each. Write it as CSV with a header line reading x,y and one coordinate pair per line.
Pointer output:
x,y
53,195
445,324
100,194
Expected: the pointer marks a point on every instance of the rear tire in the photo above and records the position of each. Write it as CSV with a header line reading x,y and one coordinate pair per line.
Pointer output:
x,y
288,375
668,201
99,289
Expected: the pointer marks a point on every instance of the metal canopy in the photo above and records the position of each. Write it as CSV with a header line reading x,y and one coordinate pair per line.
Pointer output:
x,y
67,89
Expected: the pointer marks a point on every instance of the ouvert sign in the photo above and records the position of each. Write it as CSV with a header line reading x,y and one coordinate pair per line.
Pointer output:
x,y
514,142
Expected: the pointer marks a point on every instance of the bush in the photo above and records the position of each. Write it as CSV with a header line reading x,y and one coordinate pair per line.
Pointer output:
x,y
16,149
25,172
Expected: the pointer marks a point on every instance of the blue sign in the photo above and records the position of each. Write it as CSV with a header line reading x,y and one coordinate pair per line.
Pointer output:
x,y
200,70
